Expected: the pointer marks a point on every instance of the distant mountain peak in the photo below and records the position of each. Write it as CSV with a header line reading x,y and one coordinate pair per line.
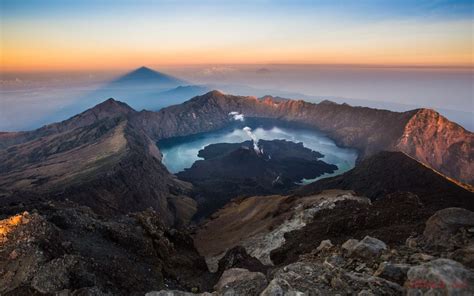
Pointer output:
x,y
215,92
112,104
328,102
210,95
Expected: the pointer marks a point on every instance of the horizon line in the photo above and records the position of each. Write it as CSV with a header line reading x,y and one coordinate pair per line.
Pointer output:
x,y
335,65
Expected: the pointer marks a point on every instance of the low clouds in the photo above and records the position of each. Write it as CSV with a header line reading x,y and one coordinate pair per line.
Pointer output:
x,y
237,116
212,71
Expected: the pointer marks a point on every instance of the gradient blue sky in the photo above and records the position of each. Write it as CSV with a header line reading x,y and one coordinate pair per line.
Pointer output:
x,y
42,35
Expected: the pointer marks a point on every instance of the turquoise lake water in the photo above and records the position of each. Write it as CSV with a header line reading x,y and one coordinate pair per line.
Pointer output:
x,y
183,152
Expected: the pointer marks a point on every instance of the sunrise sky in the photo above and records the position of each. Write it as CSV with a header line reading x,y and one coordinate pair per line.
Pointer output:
x,y
69,35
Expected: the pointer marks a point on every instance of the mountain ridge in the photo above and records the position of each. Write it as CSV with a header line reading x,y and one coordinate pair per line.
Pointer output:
x,y
97,158
365,129
421,133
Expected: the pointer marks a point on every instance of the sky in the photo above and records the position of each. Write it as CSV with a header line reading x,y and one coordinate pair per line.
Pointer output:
x,y
115,34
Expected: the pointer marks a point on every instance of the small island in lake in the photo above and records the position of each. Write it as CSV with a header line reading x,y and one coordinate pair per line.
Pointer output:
x,y
229,170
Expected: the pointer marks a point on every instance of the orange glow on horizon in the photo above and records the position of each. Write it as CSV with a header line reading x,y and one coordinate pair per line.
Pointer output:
x,y
22,59
50,46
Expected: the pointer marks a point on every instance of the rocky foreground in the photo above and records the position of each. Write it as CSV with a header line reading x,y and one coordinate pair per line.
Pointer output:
x,y
440,261
69,250
62,247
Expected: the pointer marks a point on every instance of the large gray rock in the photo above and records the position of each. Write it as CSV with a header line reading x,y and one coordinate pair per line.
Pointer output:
x,y
239,281
368,248
324,245
393,272
440,277
449,228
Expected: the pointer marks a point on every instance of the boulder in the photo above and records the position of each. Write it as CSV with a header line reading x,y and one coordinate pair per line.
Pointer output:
x,y
333,261
368,248
449,228
393,272
239,281
440,277
349,245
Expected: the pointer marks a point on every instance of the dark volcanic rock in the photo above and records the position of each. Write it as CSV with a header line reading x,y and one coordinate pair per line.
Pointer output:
x,y
70,247
405,197
238,257
231,170
388,172
449,228
239,281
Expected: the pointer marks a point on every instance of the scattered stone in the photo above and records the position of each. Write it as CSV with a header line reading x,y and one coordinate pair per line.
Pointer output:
x,y
334,261
239,281
421,257
368,248
411,242
338,284
53,252
349,245
440,277
376,285
324,245
13,255
360,267
277,287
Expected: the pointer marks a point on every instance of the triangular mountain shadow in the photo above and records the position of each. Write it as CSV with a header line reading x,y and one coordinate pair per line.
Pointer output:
x,y
142,88
146,77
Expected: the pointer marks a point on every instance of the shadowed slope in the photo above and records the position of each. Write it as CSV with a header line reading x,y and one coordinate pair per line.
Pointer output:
x,y
95,158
